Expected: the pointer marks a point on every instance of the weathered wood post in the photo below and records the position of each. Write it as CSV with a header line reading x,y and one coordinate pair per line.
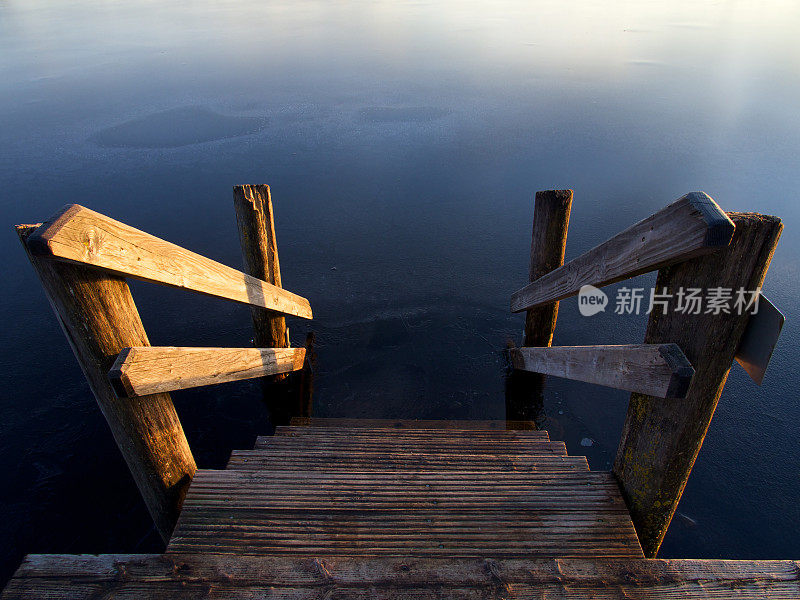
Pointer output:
x,y
98,316
548,245
305,379
662,437
256,223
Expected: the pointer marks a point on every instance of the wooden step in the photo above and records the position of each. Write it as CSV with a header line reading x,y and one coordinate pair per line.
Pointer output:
x,y
186,576
390,445
413,423
408,434
405,514
378,449
343,460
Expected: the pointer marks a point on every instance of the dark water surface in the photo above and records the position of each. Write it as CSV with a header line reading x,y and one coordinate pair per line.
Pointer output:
x,y
403,142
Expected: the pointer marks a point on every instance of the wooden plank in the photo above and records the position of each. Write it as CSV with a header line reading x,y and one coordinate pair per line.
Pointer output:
x,y
414,423
267,488
660,370
256,223
254,460
411,435
147,370
411,432
98,316
660,440
691,226
188,576
79,235
429,446
444,435
453,476
264,441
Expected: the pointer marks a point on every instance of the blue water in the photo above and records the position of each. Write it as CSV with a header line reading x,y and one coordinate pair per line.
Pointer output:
x,y
403,142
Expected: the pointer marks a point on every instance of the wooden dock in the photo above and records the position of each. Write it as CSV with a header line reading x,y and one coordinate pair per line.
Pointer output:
x,y
402,512
348,508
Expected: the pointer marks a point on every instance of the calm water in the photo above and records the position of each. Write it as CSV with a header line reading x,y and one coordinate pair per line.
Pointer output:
x,y
403,142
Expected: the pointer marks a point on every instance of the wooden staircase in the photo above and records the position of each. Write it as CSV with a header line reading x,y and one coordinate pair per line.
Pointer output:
x,y
394,510
326,491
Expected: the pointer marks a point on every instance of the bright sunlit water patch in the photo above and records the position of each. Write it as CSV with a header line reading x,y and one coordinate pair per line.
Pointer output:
x,y
403,142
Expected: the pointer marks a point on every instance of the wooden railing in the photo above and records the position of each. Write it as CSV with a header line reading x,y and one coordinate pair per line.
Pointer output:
x,y
82,259
691,226
678,374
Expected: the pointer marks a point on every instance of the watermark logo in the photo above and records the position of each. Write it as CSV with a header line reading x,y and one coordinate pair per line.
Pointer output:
x,y
687,301
591,300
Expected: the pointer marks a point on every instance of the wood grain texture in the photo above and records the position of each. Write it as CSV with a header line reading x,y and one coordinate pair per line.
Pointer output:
x,y
661,439
477,446
691,226
376,460
154,369
98,316
548,245
256,223
660,370
269,511
188,576
79,235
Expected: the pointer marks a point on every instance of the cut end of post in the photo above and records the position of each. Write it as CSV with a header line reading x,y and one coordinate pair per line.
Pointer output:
x,y
25,230
720,228
117,377
516,358
682,370
304,309
39,241
515,304
245,192
563,197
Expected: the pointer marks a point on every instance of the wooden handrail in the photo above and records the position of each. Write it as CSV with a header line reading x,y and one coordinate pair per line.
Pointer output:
x,y
79,235
659,370
691,226
154,369
82,258
661,440
96,311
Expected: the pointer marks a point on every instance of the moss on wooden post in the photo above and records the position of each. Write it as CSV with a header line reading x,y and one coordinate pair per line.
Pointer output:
x,y
662,437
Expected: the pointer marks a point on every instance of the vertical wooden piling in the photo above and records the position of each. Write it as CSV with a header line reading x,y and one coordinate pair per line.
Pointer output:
x,y
296,392
256,222
662,437
98,316
548,244
305,379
